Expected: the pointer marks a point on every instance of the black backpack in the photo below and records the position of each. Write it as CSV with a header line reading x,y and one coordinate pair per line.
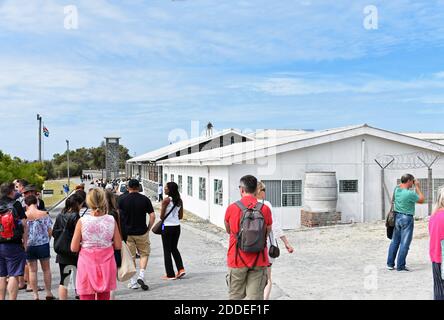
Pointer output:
x,y
252,235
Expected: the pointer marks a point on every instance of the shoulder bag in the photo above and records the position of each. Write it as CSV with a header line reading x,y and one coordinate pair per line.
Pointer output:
x,y
157,228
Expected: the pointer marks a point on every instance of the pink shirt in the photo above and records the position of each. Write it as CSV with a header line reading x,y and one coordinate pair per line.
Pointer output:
x,y
436,230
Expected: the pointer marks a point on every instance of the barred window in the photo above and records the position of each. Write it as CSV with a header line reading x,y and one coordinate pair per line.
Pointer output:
x,y
172,178
292,193
348,186
202,189
165,178
218,192
190,186
179,183
273,192
437,184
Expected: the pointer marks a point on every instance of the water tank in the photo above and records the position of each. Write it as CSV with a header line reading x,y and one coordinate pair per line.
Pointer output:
x,y
320,192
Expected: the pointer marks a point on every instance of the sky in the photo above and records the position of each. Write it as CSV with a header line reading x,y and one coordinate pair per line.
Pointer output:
x,y
146,70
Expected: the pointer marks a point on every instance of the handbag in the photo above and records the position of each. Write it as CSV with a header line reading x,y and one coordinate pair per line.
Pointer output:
x,y
390,221
127,269
158,227
62,245
273,250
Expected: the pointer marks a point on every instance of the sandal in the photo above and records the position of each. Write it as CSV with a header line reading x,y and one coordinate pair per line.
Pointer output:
x,y
51,298
24,288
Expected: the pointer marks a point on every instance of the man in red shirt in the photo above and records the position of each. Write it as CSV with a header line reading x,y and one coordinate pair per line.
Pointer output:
x,y
247,272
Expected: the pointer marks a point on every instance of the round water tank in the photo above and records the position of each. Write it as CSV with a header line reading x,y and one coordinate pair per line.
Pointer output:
x,y
320,192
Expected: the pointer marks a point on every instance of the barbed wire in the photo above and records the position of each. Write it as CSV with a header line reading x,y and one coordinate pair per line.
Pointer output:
x,y
407,160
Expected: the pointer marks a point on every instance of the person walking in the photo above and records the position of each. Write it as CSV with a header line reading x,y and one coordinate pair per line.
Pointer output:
x,y
160,192
39,231
247,270
133,208
12,238
436,231
63,233
113,211
95,238
276,233
404,209
171,213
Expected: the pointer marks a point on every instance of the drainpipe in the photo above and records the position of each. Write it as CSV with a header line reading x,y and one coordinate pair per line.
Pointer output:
x,y
363,180
208,194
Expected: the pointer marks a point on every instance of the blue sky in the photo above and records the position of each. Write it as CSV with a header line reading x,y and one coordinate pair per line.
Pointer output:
x,y
140,69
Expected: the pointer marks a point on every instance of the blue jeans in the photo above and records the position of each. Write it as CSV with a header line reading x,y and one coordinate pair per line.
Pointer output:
x,y
402,237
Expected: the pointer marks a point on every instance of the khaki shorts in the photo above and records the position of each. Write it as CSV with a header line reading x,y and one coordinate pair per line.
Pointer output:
x,y
139,244
245,283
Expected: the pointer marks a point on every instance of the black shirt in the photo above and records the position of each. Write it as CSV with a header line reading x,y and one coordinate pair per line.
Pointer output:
x,y
68,221
133,210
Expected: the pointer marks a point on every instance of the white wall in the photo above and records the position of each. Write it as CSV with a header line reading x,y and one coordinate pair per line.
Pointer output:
x,y
204,209
342,157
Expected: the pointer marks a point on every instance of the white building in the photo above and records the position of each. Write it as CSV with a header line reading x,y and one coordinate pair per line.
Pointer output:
x,y
209,179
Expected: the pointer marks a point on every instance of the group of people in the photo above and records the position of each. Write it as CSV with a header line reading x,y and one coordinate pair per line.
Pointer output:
x,y
88,237
91,229
86,177
25,232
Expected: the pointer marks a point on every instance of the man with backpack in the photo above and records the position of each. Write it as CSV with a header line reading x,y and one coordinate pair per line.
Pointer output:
x,y
12,230
248,222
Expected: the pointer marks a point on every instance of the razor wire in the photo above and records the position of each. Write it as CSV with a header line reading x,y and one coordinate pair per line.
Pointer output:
x,y
407,161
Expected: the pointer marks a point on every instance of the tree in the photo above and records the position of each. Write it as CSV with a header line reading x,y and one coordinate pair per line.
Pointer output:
x,y
16,168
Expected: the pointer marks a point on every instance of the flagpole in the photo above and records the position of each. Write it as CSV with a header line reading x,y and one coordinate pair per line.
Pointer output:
x,y
43,147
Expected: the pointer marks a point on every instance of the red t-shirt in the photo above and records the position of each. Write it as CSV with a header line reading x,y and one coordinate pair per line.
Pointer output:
x,y
232,217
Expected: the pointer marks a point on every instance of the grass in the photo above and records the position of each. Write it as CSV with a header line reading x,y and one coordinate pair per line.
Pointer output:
x,y
57,186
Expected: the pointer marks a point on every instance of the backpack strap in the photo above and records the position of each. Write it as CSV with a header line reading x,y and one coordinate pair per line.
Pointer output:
x,y
241,206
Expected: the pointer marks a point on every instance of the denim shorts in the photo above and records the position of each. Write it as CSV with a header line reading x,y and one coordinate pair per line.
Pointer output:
x,y
12,260
38,252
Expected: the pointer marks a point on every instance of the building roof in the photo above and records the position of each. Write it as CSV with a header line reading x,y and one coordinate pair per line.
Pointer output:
x,y
155,155
258,148
433,137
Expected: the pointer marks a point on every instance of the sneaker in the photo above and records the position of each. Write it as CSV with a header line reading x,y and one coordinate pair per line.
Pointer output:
x,y
133,286
180,274
142,284
390,268
168,278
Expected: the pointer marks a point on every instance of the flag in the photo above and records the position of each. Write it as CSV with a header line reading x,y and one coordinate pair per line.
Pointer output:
x,y
45,131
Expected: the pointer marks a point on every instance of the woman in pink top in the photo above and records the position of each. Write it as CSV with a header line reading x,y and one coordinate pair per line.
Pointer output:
x,y
96,237
436,230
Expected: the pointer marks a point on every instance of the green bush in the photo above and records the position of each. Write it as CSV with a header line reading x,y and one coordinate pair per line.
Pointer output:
x,y
15,168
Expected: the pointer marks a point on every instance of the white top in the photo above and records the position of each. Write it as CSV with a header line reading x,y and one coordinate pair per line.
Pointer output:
x,y
97,232
173,218
276,227
160,190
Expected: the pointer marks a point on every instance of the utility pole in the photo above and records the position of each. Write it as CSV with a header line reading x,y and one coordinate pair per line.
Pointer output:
x,y
39,119
67,147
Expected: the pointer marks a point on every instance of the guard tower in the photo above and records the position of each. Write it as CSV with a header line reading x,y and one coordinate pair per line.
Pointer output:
x,y
112,157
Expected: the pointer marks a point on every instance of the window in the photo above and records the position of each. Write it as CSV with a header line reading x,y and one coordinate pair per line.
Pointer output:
x,y
348,186
218,192
190,186
273,192
165,178
172,178
221,141
189,150
202,189
292,193
179,183
437,183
